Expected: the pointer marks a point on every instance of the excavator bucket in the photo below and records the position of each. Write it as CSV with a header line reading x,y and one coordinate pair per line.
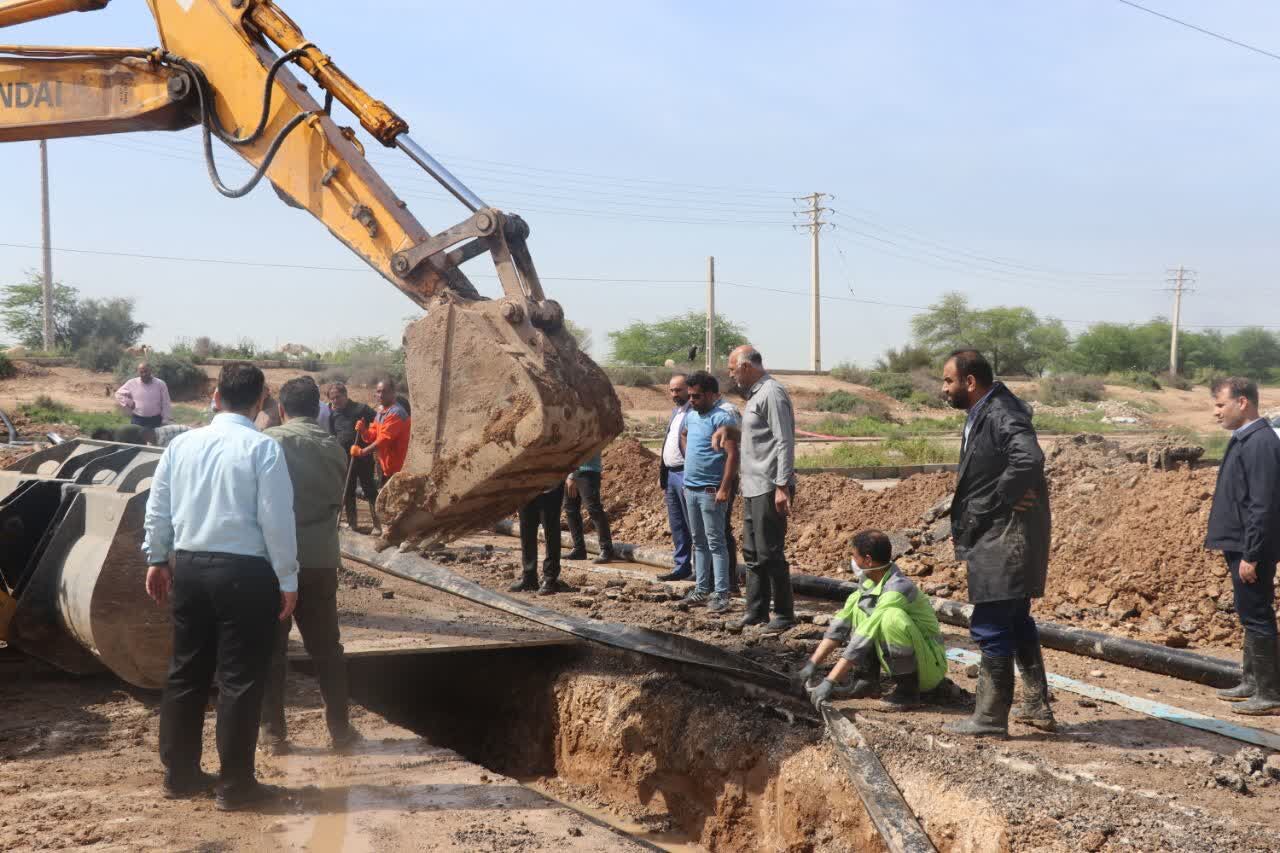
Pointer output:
x,y
71,529
504,405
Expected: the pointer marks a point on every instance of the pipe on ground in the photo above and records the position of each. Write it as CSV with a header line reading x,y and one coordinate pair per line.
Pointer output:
x,y
1150,657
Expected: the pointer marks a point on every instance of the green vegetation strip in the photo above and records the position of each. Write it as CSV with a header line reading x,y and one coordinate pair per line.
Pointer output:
x,y
46,410
894,451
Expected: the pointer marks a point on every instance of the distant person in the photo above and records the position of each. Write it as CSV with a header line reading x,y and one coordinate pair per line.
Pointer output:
x,y
708,475
346,416
543,510
146,398
671,481
388,435
887,625
270,415
730,542
221,509
1001,526
768,486
584,484
1244,524
317,469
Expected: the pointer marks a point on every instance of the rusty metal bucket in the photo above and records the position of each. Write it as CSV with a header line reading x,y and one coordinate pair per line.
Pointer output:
x,y
504,405
71,529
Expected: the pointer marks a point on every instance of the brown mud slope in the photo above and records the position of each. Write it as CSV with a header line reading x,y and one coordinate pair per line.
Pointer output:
x,y
1127,553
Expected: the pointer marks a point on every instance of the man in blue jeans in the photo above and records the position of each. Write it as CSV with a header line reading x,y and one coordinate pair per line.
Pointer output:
x,y
1000,524
671,481
709,475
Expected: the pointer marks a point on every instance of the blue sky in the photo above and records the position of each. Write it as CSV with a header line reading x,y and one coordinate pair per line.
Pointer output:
x,y
1059,156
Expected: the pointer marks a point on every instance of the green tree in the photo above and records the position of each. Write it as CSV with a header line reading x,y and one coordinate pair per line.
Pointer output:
x,y
22,311
581,334
904,360
103,320
946,326
1013,338
1050,344
1253,352
654,343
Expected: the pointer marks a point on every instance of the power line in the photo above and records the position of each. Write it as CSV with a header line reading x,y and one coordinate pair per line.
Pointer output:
x,y
1201,30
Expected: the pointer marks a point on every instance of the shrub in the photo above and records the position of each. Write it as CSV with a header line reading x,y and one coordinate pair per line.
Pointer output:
x,y
1057,390
185,380
636,376
1139,379
896,385
100,355
7,368
851,404
364,370
847,371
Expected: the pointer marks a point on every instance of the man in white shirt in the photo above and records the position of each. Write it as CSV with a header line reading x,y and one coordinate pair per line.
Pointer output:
x,y
221,509
671,479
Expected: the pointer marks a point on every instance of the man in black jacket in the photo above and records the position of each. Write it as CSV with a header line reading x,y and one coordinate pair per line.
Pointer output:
x,y
1244,524
345,414
1000,525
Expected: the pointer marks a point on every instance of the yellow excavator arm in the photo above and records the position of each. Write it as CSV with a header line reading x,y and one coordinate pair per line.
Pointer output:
x,y
504,403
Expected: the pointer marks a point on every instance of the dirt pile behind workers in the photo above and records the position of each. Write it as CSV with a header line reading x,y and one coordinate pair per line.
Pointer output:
x,y
1128,528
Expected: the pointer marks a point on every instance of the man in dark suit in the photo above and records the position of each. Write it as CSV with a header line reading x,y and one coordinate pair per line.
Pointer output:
x,y
1244,524
1000,525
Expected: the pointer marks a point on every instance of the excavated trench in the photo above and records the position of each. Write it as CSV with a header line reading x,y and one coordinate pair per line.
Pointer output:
x,y
608,734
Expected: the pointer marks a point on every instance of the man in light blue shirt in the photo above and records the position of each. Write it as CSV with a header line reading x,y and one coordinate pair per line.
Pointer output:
x,y
709,472
220,511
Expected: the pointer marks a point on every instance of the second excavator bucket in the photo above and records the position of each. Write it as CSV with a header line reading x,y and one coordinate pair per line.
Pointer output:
x,y
504,405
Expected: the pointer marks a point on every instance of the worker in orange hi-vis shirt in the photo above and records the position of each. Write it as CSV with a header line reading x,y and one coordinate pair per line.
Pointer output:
x,y
388,434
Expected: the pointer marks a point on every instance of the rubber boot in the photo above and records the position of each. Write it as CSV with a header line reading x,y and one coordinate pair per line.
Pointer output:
x,y
1034,709
995,696
1247,687
905,694
1265,652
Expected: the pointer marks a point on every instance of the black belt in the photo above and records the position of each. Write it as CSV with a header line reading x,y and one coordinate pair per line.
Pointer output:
x,y
679,469
711,490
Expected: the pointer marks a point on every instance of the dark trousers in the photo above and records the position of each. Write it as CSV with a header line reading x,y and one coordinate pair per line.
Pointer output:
x,y
1255,602
678,519
764,533
729,541
1000,628
224,620
146,421
588,483
317,615
544,510
361,471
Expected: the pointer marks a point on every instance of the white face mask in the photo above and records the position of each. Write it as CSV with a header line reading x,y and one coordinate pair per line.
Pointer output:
x,y
856,569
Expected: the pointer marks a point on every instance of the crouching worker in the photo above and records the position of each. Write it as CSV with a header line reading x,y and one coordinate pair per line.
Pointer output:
x,y
887,625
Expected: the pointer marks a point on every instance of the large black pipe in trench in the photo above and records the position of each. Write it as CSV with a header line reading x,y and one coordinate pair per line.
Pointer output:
x,y
1137,654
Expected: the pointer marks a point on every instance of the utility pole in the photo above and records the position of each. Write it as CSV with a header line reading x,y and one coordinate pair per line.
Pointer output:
x,y
709,345
48,252
1179,281
815,225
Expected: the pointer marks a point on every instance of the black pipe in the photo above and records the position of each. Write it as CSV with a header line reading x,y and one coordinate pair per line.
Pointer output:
x,y
1137,654
13,433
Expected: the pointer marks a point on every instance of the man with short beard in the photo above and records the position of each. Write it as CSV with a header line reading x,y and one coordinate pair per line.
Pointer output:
x,y
1000,525
1244,524
671,481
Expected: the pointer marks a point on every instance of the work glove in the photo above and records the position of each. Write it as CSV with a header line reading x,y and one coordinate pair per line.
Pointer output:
x,y
821,694
356,451
802,675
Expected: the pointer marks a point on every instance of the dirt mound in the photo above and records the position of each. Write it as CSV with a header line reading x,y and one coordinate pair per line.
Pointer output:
x,y
1128,527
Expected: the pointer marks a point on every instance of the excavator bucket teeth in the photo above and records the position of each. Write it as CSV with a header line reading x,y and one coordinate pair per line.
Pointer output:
x,y
501,411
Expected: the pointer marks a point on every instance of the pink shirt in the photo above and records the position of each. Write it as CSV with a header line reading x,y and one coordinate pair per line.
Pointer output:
x,y
146,399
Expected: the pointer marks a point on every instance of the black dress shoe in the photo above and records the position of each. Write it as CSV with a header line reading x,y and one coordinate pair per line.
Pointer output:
x,y
576,554
673,576
233,798
550,586
527,583
189,786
